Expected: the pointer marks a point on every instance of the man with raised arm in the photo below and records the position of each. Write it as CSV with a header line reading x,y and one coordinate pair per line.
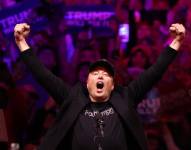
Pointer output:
x,y
99,115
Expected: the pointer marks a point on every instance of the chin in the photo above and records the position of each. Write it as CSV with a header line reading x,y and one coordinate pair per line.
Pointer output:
x,y
101,98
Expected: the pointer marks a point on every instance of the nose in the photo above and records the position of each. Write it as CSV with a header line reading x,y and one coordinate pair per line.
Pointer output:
x,y
100,76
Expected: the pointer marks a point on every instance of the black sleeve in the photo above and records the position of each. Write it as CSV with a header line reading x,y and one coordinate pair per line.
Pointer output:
x,y
139,87
35,129
54,85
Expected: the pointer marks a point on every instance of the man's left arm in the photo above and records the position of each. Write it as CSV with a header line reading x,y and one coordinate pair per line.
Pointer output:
x,y
139,87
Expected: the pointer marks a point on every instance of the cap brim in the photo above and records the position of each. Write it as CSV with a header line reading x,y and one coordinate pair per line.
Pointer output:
x,y
103,63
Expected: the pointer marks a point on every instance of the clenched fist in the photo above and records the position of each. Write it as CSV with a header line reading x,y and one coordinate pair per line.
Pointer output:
x,y
21,31
178,32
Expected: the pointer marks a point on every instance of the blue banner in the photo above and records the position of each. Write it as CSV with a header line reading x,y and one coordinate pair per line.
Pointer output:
x,y
75,17
19,13
95,16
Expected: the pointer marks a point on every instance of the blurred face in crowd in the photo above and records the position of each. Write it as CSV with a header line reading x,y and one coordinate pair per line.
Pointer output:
x,y
114,24
47,57
143,31
39,39
100,85
83,73
87,56
139,60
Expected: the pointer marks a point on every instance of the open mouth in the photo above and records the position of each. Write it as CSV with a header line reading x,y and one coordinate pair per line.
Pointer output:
x,y
100,85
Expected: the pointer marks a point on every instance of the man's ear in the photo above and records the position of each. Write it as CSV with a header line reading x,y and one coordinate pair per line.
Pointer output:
x,y
87,82
113,86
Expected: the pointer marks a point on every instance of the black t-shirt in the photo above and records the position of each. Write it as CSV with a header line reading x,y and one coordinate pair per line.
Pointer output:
x,y
87,133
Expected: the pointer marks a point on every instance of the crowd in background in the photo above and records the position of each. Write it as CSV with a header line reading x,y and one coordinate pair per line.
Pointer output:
x,y
28,109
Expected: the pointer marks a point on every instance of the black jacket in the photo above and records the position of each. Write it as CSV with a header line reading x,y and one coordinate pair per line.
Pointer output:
x,y
73,100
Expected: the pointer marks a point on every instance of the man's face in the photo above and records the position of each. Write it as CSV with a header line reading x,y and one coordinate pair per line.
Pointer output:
x,y
100,85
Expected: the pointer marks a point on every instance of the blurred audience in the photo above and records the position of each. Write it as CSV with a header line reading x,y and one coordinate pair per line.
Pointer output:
x,y
30,111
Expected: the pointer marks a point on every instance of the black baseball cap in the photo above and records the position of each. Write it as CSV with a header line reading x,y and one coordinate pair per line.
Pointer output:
x,y
103,63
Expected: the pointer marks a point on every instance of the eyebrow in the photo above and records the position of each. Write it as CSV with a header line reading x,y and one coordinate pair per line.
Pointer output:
x,y
100,70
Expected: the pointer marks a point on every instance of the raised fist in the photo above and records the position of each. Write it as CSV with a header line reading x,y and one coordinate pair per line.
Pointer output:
x,y
178,31
21,31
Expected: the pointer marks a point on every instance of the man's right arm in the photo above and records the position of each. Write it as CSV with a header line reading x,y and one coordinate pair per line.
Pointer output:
x,y
54,86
